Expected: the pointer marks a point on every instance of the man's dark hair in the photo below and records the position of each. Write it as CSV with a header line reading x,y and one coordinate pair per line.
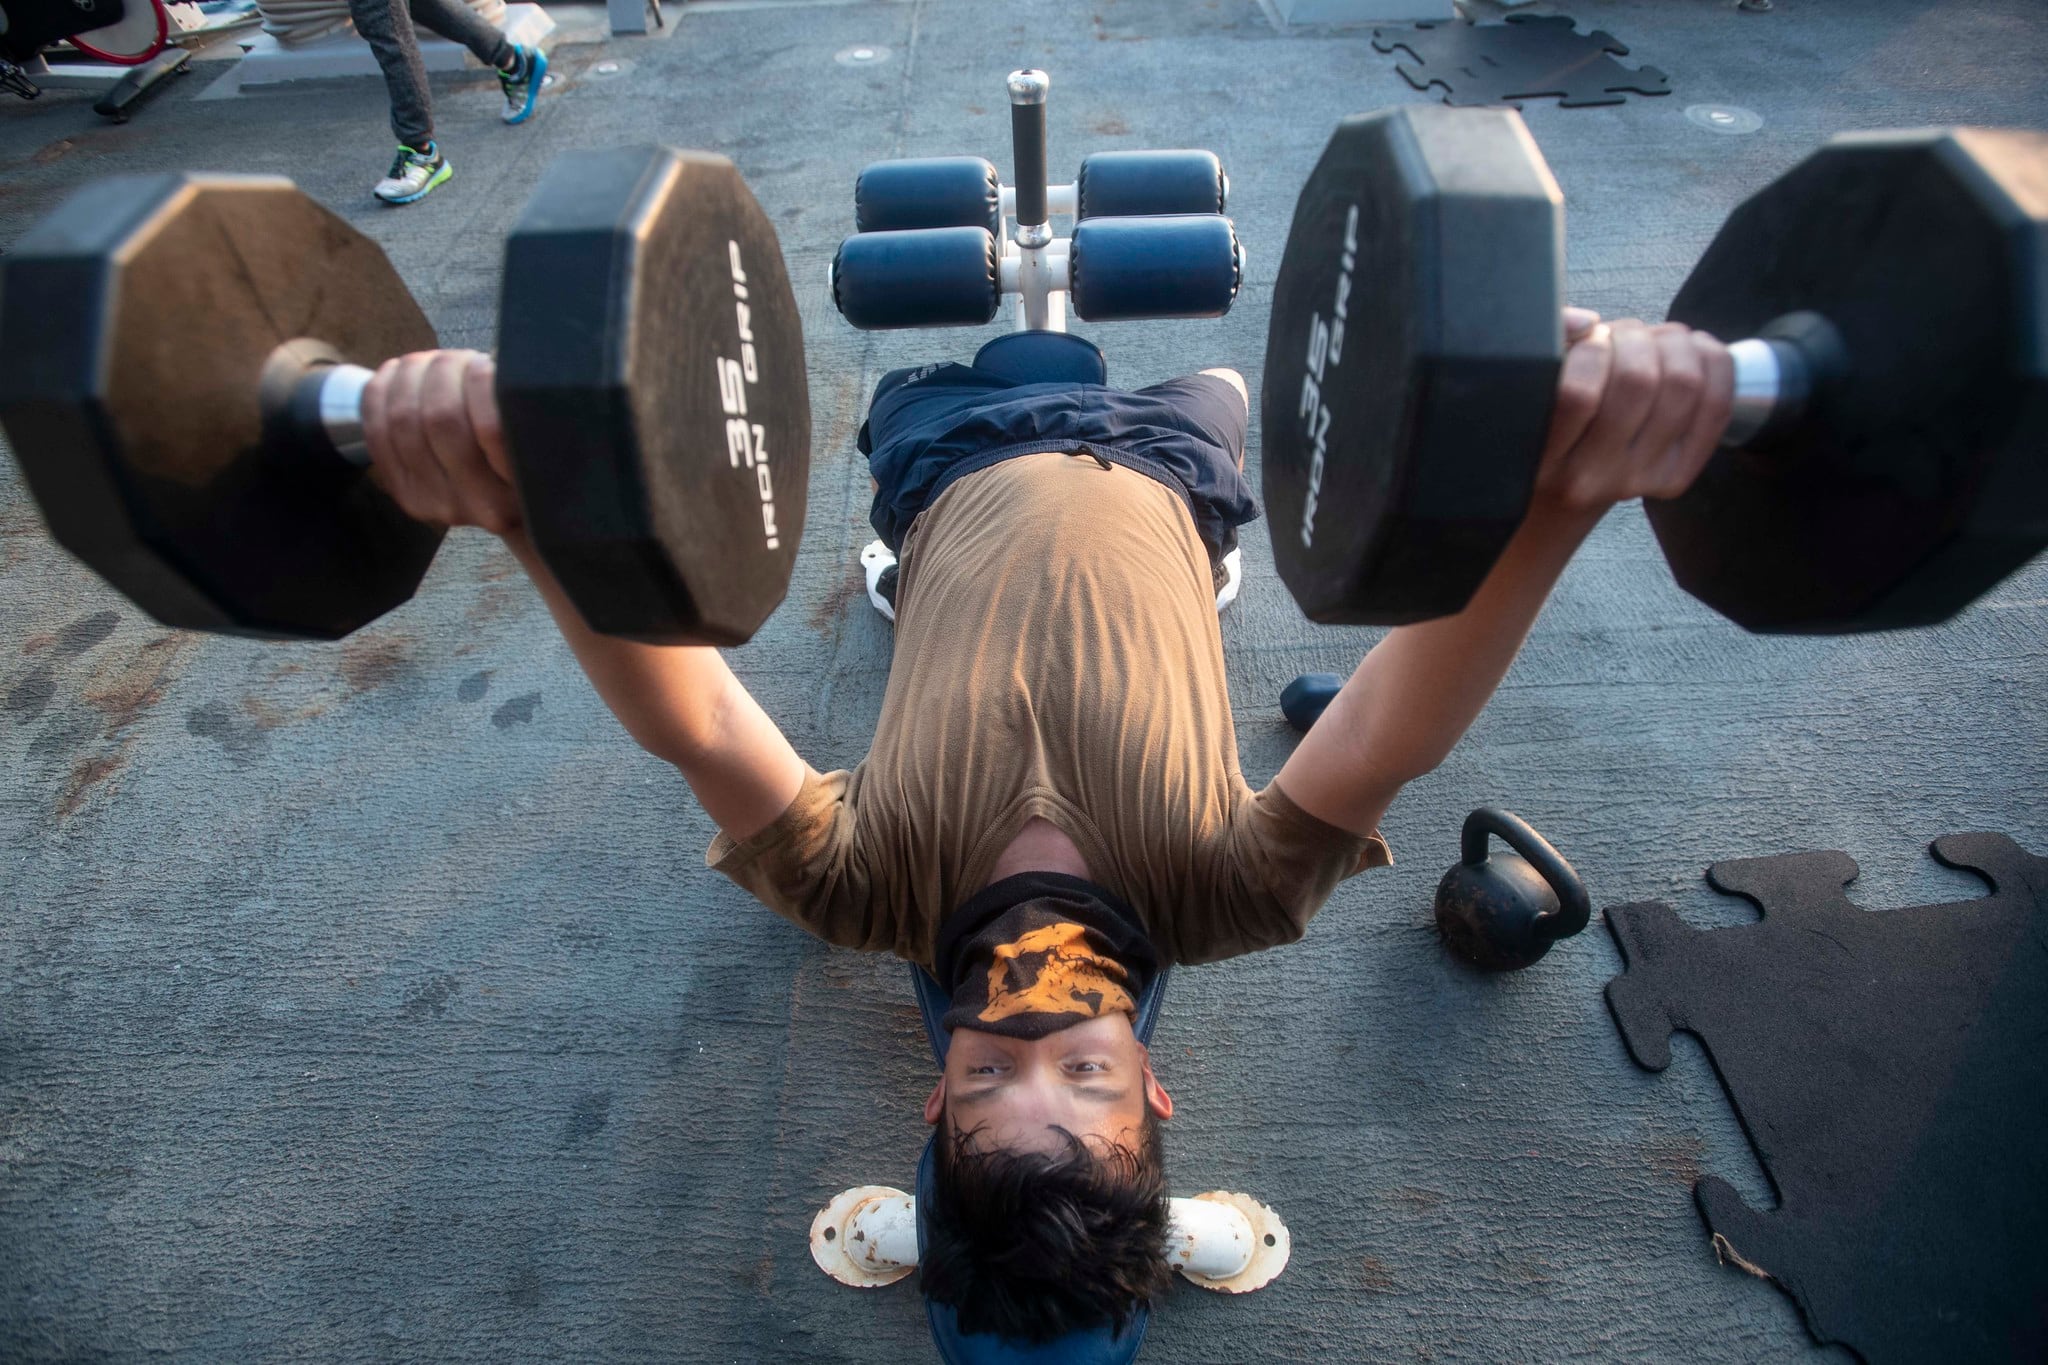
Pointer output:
x,y
1034,1245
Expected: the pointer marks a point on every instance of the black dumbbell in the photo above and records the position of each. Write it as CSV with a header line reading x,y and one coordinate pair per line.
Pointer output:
x,y
1502,912
1889,295
1304,700
182,356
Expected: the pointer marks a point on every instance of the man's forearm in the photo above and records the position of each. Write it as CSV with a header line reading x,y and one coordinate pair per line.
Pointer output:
x,y
1419,689
682,704
1422,686
666,697
1640,410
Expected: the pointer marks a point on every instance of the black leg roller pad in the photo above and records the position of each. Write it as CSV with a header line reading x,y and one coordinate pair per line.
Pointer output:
x,y
966,191
1138,184
1114,269
925,277
928,192
1184,267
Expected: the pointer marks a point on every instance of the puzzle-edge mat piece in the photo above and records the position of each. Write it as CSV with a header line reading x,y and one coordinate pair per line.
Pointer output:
x,y
1446,41
1801,899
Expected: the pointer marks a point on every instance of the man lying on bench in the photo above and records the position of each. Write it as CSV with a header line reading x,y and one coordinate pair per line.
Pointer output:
x,y
1052,810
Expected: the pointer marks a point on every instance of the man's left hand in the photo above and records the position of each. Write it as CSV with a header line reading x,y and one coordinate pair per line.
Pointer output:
x,y
1640,410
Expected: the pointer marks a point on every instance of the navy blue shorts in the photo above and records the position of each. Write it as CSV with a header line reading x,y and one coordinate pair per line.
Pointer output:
x,y
929,426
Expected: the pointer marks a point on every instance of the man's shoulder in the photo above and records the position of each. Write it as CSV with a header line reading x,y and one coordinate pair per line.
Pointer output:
x,y
1278,866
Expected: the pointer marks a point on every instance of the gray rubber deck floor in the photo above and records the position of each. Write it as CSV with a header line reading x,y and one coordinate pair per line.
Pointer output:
x,y
372,1002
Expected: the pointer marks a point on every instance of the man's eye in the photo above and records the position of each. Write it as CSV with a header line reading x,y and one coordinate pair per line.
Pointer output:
x,y
985,1069
1090,1066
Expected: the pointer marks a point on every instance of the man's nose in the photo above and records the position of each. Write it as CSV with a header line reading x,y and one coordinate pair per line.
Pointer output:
x,y
1041,1089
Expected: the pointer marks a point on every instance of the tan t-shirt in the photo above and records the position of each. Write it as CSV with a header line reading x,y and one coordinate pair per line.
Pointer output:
x,y
1057,655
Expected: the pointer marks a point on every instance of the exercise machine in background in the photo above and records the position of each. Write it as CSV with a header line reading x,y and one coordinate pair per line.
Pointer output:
x,y
127,43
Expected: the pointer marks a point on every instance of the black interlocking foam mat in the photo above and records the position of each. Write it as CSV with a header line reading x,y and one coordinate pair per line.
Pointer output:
x,y
1530,56
1891,1070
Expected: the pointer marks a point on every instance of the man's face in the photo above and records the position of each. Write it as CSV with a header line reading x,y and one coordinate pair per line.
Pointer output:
x,y
1093,1078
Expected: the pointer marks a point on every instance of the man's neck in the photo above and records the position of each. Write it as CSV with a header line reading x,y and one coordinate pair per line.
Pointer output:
x,y
1040,846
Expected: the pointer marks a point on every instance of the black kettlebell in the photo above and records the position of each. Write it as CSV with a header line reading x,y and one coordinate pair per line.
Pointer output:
x,y
1501,913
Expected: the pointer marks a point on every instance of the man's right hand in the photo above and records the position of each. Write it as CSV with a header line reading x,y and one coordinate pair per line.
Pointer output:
x,y
431,422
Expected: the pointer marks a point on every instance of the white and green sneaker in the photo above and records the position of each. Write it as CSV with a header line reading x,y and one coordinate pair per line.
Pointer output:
x,y
413,174
522,84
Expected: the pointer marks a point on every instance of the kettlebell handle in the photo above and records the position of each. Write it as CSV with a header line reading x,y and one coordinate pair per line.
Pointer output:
x,y
1574,907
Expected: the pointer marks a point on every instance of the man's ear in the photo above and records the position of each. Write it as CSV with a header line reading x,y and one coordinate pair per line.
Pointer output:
x,y
935,1103
1156,1098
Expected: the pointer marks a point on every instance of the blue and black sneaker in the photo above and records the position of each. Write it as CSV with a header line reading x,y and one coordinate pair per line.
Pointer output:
x,y
522,83
413,174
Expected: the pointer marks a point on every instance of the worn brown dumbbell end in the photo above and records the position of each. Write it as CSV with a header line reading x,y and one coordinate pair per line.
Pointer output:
x,y
182,359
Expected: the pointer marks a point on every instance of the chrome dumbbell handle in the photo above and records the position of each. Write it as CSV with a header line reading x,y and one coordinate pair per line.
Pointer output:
x,y
310,396
335,402
1760,379
1776,373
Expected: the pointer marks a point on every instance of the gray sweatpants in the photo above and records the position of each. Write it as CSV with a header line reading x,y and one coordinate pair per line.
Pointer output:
x,y
387,26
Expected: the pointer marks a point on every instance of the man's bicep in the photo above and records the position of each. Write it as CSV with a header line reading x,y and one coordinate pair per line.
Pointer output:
x,y
742,768
1280,865
1334,774
805,866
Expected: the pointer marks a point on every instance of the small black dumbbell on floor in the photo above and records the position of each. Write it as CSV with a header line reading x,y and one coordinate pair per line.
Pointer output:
x,y
1885,301
182,358
1503,911
1304,700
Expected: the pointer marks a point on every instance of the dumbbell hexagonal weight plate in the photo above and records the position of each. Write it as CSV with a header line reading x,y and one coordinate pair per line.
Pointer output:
x,y
135,324
1411,361
1914,478
652,387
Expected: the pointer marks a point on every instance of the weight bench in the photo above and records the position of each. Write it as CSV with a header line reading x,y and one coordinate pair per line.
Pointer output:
x,y
1033,357
941,242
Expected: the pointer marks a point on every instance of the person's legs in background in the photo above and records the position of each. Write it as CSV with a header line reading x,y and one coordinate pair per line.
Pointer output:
x,y
520,69
387,26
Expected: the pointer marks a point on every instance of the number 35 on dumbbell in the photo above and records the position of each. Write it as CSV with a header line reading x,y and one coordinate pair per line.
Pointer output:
x,y
182,358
